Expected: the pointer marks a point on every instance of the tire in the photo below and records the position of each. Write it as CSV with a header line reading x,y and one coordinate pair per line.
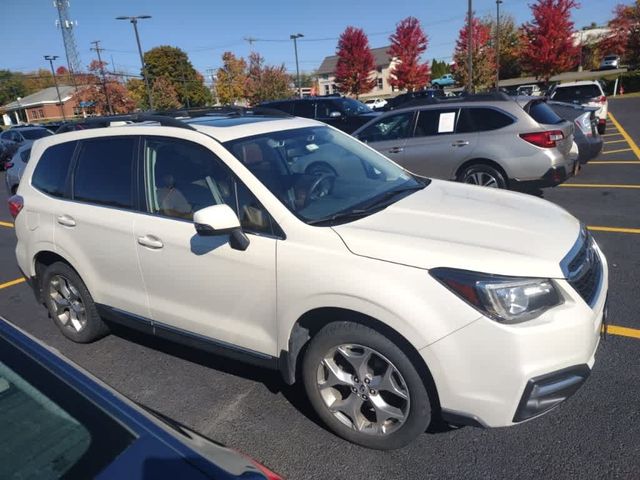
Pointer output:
x,y
70,304
483,175
380,417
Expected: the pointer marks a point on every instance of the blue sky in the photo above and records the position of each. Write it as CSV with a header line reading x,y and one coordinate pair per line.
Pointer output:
x,y
206,28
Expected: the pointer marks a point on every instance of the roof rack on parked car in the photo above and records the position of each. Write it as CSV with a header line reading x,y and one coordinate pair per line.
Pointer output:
x,y
225,110
164,120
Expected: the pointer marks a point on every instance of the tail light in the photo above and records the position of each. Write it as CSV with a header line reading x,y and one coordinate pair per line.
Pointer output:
x,y
15,205
8,165
602,99
546,139
602,121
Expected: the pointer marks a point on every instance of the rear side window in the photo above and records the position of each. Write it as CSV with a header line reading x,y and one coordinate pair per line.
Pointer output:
x,y
51,171
542,113
104,172
25,154
579,93
486,119
304,109
436,122
284,106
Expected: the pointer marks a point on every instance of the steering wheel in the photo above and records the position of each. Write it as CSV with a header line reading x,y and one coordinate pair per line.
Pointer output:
x,y
321,187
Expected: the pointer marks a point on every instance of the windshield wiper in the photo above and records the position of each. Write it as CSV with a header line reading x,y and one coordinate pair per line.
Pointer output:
x,y
383,199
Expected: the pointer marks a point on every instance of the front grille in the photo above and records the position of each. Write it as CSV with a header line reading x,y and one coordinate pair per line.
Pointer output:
x,y
584,271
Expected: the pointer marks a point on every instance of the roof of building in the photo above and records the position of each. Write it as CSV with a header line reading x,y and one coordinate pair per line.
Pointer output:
x,y
48,95
380,56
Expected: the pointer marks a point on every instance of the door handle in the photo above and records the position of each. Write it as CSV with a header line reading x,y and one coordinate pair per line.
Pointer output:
x,y
460,143
151,242
66,220
396,150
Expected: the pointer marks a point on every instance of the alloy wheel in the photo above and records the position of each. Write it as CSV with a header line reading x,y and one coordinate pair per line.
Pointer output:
x,y
363,389
483,179
65,299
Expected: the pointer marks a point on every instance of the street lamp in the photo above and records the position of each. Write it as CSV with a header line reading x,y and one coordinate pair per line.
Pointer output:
x,y
134,22
498,2
295,38
51,58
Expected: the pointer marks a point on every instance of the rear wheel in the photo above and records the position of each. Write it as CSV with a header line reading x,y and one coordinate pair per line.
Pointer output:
x,y
482,175
364,387
70,305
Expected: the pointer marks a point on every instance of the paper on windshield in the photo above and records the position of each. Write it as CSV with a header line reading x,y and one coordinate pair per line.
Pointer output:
x,y
447,122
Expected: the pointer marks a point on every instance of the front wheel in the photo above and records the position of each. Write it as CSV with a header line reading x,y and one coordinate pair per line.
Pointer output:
x,y
364,387
482,175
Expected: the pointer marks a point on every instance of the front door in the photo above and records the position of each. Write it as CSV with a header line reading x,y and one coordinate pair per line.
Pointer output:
x,y
389,134
200,285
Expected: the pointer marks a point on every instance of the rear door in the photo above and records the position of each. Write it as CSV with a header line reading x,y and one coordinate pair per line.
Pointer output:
x,y
443,139
389,134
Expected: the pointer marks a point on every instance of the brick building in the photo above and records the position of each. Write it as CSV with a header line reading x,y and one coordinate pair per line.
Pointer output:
x,y
41,106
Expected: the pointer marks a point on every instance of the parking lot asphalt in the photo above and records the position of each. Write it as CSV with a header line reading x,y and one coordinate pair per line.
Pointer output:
x,y
595,434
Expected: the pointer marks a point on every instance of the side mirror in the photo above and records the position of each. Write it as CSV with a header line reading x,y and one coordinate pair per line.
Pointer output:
x,y
335,114
220,220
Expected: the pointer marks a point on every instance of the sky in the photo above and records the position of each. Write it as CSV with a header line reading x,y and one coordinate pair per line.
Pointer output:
x,y
205,29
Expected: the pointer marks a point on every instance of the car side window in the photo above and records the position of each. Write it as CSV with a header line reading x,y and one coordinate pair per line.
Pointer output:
x,y
304,109
486,119
392,127
104,171
25,154
183,177
436,122
50,174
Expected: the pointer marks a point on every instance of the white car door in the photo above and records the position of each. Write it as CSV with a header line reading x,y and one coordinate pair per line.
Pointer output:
x,y
199,285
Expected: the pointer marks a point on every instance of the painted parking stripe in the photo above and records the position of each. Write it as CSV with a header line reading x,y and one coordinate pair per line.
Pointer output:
x,y
623,331
597,185
617,162
615,141
611,134
595,228
12,283
618,151
6,224
626,136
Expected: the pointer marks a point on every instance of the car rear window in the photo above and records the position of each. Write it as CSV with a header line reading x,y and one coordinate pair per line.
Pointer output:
x,y
486,119
576,93
35,133
50,174
542,113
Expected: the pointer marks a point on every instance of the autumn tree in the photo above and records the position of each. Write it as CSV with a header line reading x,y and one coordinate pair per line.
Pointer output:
x,y
355,63
164,95
510,44
624,38
138,93
231,79
408,43
548,48
118,96
482,54
265,82
11,86
439,68
174,66
39,80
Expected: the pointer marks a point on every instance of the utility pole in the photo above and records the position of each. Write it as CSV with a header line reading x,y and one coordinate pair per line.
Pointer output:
x,y
51,58
295,38
97,49
470,47
145,73
498,2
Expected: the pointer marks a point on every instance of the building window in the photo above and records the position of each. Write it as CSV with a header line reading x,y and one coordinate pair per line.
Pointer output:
x,y
380,83
334,89
41,113
327,89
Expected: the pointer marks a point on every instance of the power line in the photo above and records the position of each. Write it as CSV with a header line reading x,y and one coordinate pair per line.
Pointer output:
x,y
97,49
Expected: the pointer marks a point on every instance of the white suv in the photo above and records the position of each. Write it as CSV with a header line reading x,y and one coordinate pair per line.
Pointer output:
x,y
394,298
588,93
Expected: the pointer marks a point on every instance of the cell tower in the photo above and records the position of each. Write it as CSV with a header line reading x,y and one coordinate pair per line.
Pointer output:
x,y
66,26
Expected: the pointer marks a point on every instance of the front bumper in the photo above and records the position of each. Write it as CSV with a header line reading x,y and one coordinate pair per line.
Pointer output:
x,y
487,372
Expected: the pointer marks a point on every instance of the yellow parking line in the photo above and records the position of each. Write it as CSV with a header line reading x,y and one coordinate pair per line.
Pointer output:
x,y
6,224
597,185
615,141
12,283
623,331
610,134
626,136
595,228
616,162
618,151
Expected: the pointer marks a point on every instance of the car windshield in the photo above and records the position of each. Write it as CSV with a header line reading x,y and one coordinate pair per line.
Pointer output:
x,y
323,176
35,133
577,93
351,106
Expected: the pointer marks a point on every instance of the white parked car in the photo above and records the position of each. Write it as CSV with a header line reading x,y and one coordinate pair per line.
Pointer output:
x,y
15,166
393,298
375,103
588,93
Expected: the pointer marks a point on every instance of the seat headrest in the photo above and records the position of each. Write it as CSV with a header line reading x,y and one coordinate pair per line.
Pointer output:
x,y
252,154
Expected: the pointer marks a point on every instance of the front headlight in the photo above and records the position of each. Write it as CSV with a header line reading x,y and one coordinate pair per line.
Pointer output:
x,y
504,299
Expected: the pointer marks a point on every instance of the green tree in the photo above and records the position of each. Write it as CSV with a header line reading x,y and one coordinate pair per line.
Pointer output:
x,y
11,86
174,66
232,77
265,82
438,69
510,45
138,93
164,95
482,54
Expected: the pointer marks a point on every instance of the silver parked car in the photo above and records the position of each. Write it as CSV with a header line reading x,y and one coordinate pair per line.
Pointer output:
x,y
489,140
15,167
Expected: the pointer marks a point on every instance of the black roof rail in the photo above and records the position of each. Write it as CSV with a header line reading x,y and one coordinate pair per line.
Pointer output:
x,y
225,110
164,120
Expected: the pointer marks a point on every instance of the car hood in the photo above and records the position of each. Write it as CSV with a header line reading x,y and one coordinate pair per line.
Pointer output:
x,y
462,226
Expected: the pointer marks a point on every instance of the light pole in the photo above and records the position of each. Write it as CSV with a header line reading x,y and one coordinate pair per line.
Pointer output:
x,y
498,2
295,38
134,22
470,47
51,58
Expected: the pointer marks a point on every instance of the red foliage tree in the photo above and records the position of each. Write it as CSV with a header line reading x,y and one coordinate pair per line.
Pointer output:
x,y
482,53
408,43
62,70
94,93
548,46
624,38
355,63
